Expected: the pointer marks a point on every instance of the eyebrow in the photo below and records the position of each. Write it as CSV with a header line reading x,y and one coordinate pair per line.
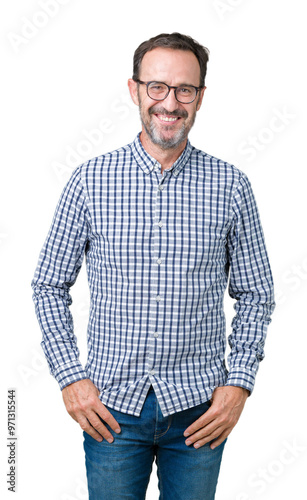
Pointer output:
x,y
180,85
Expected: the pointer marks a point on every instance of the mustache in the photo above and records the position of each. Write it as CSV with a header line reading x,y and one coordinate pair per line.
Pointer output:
x,y
162,111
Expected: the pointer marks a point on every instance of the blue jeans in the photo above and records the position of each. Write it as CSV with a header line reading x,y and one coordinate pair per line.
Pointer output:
x,y
121,470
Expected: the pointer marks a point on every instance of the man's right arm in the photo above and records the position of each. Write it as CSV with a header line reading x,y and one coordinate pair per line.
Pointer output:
x,y
59,264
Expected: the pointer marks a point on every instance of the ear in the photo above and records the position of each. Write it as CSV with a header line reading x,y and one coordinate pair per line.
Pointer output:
x,y
133,89
200,99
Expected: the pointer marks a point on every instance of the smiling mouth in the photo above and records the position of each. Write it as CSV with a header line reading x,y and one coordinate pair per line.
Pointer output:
x,y
168,119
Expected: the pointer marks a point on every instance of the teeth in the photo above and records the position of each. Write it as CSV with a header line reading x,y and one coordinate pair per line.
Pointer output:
x,y
167,119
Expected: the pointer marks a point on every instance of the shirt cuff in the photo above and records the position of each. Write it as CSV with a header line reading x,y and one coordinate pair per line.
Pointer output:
x,y
241,378
69,373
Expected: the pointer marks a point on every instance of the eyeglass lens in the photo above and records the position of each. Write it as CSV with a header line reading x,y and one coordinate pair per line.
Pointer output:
x,y
159,91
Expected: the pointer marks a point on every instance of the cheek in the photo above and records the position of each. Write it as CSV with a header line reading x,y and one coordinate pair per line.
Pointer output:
x,y
146,104
144,109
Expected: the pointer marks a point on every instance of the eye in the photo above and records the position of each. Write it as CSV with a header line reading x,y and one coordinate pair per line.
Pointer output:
x,y
157,87
186,91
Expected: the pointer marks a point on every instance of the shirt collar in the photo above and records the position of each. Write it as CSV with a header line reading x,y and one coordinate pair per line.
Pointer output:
x,y
148,163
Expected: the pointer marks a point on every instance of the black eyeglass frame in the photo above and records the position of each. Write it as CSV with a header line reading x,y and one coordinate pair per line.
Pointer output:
x,y
197,89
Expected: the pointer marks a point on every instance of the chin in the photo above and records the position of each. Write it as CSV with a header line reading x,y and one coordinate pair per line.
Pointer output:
x,y
166,141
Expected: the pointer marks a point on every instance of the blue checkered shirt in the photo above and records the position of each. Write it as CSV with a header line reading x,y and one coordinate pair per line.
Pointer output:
x,y
159,251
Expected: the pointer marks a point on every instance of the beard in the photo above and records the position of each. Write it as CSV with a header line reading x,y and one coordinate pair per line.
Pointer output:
x,y
157,136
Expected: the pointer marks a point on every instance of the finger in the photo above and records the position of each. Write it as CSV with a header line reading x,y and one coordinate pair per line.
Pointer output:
x,y
87,427
101,428
204,432
217,438
220,440
73,416
107,417
201,422
204,437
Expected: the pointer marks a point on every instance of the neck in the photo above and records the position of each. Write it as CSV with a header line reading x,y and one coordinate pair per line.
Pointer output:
x,y
166,157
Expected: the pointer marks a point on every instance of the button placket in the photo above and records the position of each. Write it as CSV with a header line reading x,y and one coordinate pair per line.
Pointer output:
x,y
156,267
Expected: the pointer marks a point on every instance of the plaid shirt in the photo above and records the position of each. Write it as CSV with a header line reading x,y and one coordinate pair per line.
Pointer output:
x,y
159,251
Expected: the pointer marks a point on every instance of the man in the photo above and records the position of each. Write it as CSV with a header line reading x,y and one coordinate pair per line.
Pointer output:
x,y
162,225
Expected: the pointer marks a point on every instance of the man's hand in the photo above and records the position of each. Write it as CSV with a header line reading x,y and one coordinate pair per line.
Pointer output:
x,y
83,405
218,422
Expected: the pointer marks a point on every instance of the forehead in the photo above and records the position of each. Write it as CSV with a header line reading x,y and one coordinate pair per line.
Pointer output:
x,y
170,66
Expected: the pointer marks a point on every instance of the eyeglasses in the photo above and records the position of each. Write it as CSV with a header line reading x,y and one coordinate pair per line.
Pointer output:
x,y
158,91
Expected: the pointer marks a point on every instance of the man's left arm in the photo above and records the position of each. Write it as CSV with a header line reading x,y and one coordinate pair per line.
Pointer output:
x,y
251,284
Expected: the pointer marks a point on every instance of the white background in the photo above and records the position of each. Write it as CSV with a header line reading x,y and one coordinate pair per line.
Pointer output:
x,y
55,93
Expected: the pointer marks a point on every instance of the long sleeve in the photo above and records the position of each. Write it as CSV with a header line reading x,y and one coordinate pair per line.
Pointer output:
x,y
251,284
59,263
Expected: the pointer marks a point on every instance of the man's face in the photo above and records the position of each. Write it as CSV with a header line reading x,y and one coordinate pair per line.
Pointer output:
x,y
167,123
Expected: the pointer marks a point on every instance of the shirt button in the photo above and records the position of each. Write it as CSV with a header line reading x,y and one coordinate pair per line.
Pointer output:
x,y
152,372
160,223
159,261
161,188
156,334
158,298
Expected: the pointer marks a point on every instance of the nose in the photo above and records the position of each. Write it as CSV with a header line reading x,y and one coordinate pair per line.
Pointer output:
x,y
170,102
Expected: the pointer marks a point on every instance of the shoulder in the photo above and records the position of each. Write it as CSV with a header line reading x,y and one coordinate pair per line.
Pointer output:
x,y
215,165
216,170
89,175
110,159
